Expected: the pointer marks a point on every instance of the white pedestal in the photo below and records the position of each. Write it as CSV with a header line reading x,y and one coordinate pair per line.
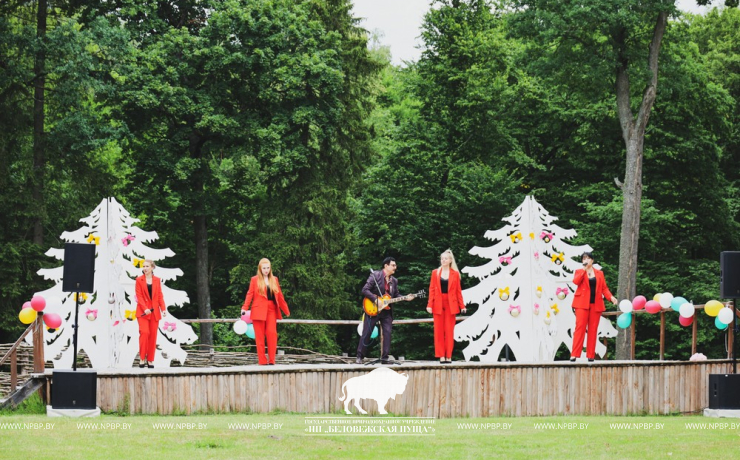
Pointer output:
x,y
74,413
722,413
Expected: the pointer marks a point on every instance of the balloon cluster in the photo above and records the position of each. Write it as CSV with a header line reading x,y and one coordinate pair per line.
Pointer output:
x,y
31,310
722,315
244,325
684,308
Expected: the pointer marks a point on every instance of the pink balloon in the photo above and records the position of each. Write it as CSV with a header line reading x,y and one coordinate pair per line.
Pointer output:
x,y
26,305
638,303
38,303
685,321
652,307
247,316
52,320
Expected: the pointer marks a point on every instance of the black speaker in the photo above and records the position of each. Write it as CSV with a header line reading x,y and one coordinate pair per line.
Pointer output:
x,y
74,389
79,268
724,391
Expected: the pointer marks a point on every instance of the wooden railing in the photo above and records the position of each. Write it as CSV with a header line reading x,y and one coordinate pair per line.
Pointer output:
x,y
37,329
608,314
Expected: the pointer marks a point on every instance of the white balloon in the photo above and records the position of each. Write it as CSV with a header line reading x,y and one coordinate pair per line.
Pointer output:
x,y
686,310
725,315
625,306
240,327
665,300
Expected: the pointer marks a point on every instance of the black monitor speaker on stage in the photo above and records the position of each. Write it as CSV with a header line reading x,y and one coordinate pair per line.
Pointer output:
x,y
79,268
74,389
724,391
729,275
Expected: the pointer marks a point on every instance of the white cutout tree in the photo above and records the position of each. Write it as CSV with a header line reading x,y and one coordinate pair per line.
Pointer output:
x,y
108,331
525,292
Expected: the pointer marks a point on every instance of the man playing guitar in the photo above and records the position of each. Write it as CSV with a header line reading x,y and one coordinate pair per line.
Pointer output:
x,y
378,284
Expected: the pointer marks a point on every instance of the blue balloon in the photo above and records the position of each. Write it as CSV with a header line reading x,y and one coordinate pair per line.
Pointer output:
x,y
677,302
250,331
374,335
720,325
624,320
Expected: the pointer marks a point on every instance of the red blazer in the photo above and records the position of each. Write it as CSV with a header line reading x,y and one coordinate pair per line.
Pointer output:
x,y
144,302
583,290
454,293
259,301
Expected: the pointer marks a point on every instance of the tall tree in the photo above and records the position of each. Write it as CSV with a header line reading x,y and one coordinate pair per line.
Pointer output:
x,y
627,36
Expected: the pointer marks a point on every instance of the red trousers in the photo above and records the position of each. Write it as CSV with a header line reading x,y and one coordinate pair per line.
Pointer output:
x,y
444,331
266,328
148,328
584,317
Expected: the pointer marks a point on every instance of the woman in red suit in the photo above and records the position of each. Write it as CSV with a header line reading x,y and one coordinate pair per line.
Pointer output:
x,y
445,301
588,303
266,299
150,308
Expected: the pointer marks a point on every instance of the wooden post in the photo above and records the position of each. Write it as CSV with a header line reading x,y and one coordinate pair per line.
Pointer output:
x,y
606,345
38,344
632,340
662,335
13,371
38,351
693,335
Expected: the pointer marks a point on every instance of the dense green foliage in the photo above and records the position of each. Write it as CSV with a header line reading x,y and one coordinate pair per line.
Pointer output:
x,y
268,128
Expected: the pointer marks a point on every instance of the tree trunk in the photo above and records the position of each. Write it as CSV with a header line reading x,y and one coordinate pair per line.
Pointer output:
x,y
39,159
633,133
202,273
202,281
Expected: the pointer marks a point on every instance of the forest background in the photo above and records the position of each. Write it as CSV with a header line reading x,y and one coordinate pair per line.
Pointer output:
x,y
242,129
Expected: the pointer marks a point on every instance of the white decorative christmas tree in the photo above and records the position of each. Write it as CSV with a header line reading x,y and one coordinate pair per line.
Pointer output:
x,y
525,291
108,331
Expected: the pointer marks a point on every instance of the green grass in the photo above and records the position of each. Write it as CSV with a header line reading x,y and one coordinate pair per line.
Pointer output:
x,y
212,437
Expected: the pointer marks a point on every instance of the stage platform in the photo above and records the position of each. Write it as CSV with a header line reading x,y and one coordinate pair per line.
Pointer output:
x,y
459,389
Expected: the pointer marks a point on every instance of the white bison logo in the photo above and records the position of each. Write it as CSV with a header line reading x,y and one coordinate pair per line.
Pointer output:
x,y
381,385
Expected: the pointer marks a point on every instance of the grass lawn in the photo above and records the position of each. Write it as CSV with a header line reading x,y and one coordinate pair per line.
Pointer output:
x,y
219,437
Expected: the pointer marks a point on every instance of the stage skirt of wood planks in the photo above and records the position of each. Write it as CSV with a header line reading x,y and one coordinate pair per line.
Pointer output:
x,y
432,390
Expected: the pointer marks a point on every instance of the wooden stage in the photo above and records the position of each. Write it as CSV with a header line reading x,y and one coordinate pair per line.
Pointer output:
x,y
433,390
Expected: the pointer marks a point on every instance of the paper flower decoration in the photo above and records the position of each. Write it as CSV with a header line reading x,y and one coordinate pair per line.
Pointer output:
x,y
503,293
558,258
516,237
504,260
91,315
561,293
94,238
514,310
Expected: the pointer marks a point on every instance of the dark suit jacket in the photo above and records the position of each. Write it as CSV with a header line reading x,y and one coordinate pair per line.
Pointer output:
x,y
144,302
370,290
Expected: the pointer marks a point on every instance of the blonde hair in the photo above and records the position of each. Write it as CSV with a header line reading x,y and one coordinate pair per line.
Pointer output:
x,y
261,279
151,262
453,264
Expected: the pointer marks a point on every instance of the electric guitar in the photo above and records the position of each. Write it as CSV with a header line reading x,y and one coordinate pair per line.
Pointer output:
x,y
373,308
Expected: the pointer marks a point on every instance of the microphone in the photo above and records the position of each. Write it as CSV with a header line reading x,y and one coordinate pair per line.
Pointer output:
x,y
585,263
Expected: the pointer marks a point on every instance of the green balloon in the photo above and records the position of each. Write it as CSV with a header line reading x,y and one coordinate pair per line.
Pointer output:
x,y
624,320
